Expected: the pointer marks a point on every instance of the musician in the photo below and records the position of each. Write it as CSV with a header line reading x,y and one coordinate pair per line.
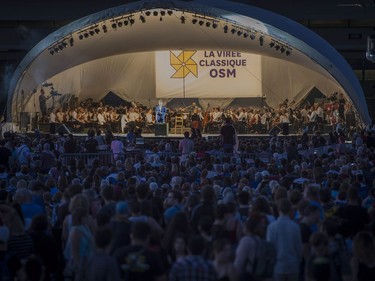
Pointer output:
x,y
101,119
60,116
123,122
284,122
43,103
160,112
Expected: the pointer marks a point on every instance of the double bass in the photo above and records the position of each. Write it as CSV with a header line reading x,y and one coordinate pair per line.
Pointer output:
x,y
206,117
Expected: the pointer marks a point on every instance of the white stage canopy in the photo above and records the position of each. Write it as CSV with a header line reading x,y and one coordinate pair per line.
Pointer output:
x,y
210,50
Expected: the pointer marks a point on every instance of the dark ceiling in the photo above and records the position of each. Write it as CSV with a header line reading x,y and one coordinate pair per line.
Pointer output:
x,y
343,23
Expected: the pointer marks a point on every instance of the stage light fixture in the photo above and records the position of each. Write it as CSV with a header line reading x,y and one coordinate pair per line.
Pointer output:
x,y
65,45
97,30
282,50
233,30
56,50
162,13
214,25
225,29
261,40
114,25
155,13
272,44
80,37
142,18
201,22
245,35
208,24
252,36
170,12
86,35
183,19
119,24
194,21
287,53
104,27
239,32
92,32
148,13
277,47
51,52
132,21
71,42
126,22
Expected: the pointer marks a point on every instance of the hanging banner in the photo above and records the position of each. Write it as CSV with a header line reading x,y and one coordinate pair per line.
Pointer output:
x,y
207,74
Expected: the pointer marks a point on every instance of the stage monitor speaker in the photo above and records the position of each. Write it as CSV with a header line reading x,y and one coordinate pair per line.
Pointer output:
x,y
161,129
63,128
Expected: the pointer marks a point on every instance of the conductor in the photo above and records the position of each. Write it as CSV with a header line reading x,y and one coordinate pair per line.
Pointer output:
x,y
160,112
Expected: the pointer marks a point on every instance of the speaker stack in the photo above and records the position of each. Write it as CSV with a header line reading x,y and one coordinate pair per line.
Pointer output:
x,y
161,129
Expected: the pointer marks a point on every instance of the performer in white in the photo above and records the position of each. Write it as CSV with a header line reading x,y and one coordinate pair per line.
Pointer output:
x,y
160,112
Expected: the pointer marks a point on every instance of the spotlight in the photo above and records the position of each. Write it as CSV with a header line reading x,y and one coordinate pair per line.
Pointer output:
x,y
162,13
56,50
183,19
201,22
148,13
71,42
194,21
92,32
61,47
170,12
287,53
233,31
277,47
114,25
245,35
104,27
119,24
51,52
97,30
208,24
252,36
239,32
261,40
80,37
155,13
126,22
142,18
272,44
64,44
225,29
214,25
132,21
282,50
86,35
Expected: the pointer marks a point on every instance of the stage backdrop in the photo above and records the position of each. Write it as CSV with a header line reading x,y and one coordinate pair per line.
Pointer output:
x,y
207,74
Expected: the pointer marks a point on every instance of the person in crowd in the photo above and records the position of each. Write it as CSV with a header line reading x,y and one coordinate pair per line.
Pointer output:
x,y
136,261
285,234
228,136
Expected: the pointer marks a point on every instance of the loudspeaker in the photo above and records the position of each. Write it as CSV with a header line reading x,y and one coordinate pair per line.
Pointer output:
x,y
24,120
63,128
161,129
52,128
285,127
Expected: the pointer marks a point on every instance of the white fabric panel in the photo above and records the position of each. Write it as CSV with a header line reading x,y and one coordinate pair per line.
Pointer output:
x,y
283,80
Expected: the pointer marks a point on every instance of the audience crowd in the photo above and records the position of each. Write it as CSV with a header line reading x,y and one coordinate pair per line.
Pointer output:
x,y
184,210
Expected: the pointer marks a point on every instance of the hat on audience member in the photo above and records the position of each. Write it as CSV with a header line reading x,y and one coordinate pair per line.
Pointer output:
x,y
265,173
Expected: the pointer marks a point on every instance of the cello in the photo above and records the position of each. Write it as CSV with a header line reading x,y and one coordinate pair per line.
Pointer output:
x,y
206,117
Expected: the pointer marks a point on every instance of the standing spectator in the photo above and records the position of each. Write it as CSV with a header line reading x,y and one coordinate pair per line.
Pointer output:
x,y
363,261
117,148
193,267
70,144
91,144
23,152
136,261
100,265
47,158
228,136
286,236
4,154
186,145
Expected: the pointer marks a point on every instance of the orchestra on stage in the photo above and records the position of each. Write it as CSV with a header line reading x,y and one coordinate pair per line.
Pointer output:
x,y
247,120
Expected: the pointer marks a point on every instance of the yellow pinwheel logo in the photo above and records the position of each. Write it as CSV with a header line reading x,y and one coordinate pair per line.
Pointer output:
x,y
183,64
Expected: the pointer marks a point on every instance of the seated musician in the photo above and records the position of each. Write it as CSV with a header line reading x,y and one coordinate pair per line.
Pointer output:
x,y
150,117
101,119
60,116
242,115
